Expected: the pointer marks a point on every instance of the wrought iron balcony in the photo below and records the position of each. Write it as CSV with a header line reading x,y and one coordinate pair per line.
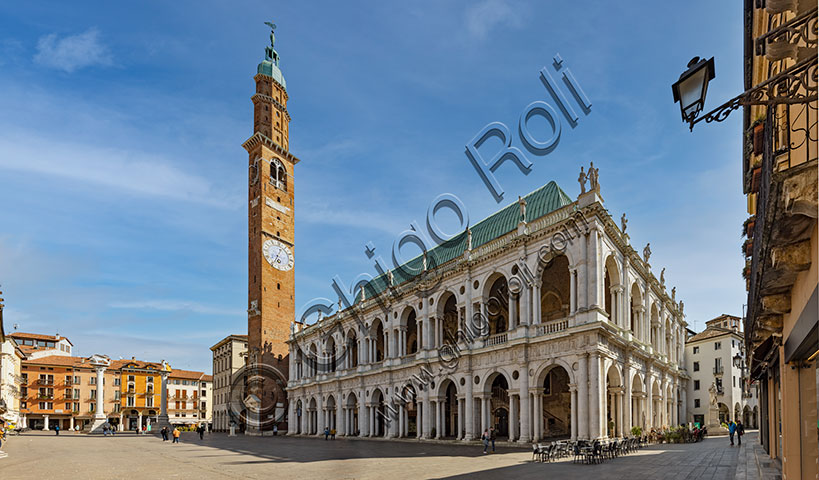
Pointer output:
x,y
718,370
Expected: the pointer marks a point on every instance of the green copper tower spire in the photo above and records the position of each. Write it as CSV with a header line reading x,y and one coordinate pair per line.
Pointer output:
x,y
270,64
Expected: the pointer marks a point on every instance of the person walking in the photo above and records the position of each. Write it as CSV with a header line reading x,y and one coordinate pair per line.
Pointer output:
x,y
732,428
326,433
164,432
176,434
57,429
740,432
485,440
201,430
275,430
492,436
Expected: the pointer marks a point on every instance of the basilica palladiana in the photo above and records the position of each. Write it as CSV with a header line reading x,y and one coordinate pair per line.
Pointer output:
x,y
541,321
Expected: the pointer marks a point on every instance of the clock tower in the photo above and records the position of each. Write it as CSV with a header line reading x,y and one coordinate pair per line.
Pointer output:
x,y
271,232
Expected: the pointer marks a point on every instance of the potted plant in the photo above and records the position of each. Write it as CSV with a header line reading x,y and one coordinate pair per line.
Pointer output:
x,y
636,431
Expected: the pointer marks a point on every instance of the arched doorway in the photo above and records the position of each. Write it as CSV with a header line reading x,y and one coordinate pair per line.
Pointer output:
x,y
352,415
378,340
380,414
312,419
330,413
638,396
724,413
756,417
410,411
499,405
299,413
614,396
611,289
410,321
449,410
556,408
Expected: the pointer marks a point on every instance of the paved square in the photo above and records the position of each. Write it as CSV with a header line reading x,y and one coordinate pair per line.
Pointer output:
x,y
75,456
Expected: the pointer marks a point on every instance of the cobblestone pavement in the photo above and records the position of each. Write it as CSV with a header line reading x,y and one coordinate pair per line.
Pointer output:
x,y
75,456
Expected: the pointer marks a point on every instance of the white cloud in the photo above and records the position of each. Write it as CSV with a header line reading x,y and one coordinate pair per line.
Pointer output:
x,y
72,52
489,14
178,306
125,171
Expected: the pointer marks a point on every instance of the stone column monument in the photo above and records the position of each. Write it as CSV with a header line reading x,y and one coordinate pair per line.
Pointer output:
x,y
162,420
100,363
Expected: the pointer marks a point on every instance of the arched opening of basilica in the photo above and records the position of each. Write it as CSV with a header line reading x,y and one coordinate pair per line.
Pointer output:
x,y
410,412
449,317
614,405
330,356
499,405
378,349
410,323
638,399
612,290
449,410
555,290
351,415
351,351
497,305
379,414
556,404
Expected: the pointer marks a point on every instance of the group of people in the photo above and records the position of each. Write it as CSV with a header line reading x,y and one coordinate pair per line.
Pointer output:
x,y
488,437
165,432
107,429
328,432
737,429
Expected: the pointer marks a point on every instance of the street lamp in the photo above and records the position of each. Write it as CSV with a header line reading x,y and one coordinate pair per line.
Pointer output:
x,y
692,86
738,360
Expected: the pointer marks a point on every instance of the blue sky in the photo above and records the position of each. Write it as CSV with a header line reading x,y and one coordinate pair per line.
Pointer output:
x,y
123,179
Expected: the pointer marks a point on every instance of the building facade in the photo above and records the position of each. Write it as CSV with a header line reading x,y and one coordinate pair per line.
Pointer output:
x,y
228,358
11,359
540,321
780,180
719,389
35,345
64,390
190,397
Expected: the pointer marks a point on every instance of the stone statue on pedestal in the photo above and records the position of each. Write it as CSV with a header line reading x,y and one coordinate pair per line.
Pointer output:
x,y
647,252
582,180
522,205
623,223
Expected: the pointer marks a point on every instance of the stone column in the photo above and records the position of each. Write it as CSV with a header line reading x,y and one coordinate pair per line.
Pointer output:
x,y
620,416
595,396
460,425
439,416
426,410
514,321
162,420
628,422
71,423
469,407
45,422
573,411
583,398
572,291
525,304
363,418
523,395
100,364
484,408
536,296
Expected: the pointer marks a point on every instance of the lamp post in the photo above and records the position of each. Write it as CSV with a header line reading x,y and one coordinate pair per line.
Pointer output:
x,y
794,85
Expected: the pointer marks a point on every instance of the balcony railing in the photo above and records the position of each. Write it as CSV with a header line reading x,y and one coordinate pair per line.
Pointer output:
x,y
718,370
45,381
497,339
553,326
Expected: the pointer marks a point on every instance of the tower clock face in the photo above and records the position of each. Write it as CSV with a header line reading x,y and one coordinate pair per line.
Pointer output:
x,y
277,254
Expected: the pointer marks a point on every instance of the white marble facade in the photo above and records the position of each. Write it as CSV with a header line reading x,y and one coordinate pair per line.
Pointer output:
x,y
588,346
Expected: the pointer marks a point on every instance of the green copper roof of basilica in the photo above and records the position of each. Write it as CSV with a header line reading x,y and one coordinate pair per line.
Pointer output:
x,y
270,65
542,201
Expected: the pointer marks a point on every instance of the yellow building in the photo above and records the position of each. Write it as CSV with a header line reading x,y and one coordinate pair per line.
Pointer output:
x,y
780,181
140,392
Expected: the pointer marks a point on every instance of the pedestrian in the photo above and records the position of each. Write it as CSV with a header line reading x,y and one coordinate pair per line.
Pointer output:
x,y
333,434
201,430
176,434
57,429
732,428
326,433
275,430
485,440
740,432
163,432
492,436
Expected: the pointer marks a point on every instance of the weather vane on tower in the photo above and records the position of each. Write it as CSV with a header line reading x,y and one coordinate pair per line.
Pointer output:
x,y
272,35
